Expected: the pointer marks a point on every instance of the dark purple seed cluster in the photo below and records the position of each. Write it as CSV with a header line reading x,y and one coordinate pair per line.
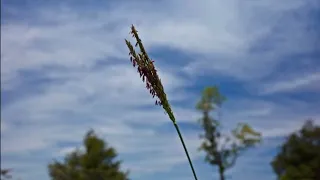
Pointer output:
x,y
146,69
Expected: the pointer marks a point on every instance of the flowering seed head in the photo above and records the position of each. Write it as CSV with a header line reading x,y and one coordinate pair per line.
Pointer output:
x,y
148,73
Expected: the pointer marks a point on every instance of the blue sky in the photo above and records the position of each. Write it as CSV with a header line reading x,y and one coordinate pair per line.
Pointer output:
x,y
65,69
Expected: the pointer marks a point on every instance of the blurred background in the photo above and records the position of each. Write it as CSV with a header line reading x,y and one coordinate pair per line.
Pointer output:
x,y
65,70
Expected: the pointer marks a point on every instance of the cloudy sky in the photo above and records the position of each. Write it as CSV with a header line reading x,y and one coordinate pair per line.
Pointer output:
x,y
65,69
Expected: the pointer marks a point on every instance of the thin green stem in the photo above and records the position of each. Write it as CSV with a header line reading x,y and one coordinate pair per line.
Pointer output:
x,y
185,150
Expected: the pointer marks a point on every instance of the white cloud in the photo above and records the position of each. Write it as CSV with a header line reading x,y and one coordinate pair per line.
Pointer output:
x,y
301,82
4,126
225,29
272,119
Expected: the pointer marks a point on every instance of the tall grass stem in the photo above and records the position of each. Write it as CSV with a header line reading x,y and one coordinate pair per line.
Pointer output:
x,y
185,150
149,75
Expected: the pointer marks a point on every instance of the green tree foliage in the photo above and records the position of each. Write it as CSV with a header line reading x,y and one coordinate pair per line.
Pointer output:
x,y
299,157
222,150
95,163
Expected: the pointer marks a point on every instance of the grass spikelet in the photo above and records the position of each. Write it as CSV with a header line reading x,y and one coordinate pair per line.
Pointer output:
x,y
148,73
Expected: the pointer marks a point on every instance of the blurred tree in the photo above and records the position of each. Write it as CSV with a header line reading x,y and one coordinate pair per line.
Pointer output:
x,y
5,174
299,157
96,163
222,150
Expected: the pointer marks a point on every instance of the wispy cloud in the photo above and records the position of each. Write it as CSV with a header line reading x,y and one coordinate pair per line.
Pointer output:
x,y
304,82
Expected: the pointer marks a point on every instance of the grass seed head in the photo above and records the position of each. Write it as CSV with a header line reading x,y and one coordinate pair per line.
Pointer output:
x,y
148,73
